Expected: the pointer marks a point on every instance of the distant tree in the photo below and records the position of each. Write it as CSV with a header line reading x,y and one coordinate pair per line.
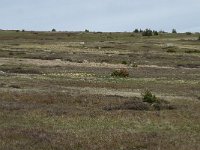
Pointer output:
x,y
155,32
141,30
86,30
53,30
147,32
136,31
23,30
174,31
161,31
188,33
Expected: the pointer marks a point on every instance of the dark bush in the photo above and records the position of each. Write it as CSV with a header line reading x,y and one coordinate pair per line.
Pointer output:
x,y
171,51
120,73
15,86
136,31
124,62
86,30
161,31
11,53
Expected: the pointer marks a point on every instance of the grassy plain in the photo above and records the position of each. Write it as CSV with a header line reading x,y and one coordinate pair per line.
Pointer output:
x,y
56,88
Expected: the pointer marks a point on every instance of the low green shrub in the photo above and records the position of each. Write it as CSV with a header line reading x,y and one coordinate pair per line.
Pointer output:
x,y
149,97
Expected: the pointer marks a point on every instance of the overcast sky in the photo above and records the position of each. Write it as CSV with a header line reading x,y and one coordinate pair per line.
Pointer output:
x,y
100,15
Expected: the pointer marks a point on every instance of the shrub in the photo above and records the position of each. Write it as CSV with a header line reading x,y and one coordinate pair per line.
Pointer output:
x,y
120,73
149,97
53,30
147,32
124,62
199,38
188,33
171,51
155,32
15,86
161,31
11,53
174,31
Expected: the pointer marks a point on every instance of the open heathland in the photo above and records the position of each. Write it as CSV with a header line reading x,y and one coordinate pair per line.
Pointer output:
x,y
94,90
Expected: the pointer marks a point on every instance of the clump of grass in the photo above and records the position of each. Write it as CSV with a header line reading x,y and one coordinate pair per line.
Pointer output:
x,y
147,32
122,73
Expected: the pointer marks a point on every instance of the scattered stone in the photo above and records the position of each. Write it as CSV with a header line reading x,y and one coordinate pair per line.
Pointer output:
x,y
2,73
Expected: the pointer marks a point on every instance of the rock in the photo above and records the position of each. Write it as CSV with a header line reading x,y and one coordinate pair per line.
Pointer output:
x,y
2,73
